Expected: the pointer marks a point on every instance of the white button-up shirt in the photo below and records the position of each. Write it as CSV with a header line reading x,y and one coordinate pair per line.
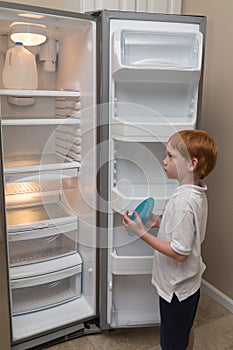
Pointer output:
x,y
183,225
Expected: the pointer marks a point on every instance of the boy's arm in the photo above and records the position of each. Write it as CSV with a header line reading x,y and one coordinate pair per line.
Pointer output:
x,y
162,247
156,243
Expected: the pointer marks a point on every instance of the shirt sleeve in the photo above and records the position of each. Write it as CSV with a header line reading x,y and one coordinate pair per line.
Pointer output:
x,y
181,228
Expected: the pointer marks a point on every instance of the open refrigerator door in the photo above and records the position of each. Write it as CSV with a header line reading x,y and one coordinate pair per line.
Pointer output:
x,y
155,69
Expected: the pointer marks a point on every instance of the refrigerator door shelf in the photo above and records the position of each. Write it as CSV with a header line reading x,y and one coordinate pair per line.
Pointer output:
x,y
40,292
130,245
130,265
131,309
45,267
158,49
148,129
123,200
134,318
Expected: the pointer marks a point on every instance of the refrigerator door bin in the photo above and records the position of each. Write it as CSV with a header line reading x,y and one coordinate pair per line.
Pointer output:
x,y
142,100
139,306
37,293
128,244
42,244
172,46
137,174
130,265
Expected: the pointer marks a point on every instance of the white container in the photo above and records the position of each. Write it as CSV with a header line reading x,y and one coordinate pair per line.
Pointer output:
x,y
20,70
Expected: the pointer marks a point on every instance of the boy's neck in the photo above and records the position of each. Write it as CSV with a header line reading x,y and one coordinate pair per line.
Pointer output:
x,y
193,180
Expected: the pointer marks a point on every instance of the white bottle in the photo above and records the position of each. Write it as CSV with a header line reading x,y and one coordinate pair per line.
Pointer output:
x,y
20,70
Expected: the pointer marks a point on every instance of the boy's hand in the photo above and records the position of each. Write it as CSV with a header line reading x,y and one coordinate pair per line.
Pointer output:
x,y
153,222
133,226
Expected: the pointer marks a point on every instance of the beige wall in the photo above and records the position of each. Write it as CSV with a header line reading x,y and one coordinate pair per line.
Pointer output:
x,y
217,118
56,4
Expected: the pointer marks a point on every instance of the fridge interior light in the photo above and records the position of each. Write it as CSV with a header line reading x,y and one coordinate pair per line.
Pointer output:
x,y
30,34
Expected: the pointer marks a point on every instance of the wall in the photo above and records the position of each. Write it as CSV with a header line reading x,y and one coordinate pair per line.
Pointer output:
x,y
217,118
57,4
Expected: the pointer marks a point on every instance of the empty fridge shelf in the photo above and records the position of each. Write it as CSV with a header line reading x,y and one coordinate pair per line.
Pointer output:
x,y
38,216
37,162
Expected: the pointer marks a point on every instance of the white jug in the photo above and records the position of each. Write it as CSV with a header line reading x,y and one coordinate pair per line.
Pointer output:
x,y
20,70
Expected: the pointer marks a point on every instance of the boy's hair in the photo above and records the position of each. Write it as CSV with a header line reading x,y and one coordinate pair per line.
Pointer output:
x,y
196,144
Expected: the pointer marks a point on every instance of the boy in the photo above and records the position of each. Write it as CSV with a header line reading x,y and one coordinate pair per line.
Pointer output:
x,y
177,267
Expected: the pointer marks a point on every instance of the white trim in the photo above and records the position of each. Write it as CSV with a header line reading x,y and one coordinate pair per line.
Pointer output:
x,y
174,6
160,6
217,295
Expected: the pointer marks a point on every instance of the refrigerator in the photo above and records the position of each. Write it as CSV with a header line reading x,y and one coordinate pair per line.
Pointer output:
x,y
76,152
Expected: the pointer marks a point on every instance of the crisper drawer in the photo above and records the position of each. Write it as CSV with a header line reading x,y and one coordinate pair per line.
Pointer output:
x,y
45,291
42,244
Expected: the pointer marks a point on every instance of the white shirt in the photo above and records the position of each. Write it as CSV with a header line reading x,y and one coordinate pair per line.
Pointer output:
x,y
183,225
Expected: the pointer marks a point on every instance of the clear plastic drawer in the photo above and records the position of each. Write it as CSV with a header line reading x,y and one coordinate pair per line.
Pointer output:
x,y
44,291
42,244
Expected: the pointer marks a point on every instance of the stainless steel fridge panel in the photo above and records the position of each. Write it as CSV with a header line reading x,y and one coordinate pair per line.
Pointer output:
x,y
5,333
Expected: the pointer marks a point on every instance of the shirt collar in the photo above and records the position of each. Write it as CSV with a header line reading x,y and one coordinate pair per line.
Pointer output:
x,y
190,188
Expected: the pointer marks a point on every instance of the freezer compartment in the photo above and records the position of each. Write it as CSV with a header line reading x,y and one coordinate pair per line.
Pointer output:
x,y
168,48
44,291
137,174
33,246
134,302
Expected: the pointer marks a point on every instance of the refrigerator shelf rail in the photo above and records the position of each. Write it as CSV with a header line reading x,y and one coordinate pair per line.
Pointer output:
x,y
39,93
41,121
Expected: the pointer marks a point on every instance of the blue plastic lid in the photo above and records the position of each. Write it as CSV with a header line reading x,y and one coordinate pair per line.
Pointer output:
x,y
143,210
19,43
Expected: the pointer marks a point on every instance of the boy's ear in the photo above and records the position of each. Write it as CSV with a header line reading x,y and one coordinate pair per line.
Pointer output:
x,y
193,164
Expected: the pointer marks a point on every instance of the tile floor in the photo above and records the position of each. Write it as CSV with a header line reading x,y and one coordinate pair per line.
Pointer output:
x,y
213,331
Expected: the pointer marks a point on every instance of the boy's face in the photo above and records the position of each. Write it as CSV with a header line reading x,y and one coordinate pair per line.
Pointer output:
x,y
176,166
